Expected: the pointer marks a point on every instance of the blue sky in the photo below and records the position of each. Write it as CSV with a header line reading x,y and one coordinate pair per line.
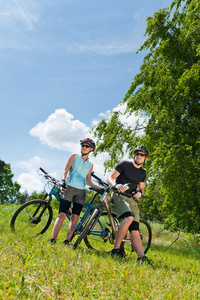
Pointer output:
x,y
64,64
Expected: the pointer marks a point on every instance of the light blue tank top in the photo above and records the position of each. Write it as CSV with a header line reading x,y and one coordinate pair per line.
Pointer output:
x,y
78,172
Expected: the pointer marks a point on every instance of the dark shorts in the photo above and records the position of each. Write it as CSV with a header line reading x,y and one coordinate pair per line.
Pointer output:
x,y
72,194
134,225
65,205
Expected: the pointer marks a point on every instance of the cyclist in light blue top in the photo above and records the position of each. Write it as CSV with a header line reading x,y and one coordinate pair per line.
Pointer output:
x,y
78,172
75,176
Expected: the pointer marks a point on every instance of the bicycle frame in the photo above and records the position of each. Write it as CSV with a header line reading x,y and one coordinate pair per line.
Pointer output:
x,y
89,209
104,201
105,204
102,231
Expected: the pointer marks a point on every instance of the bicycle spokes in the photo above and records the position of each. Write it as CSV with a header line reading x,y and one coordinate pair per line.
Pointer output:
x,y
32,218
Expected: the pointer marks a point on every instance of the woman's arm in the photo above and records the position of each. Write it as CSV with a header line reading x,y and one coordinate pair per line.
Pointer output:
x,y
67,167
89,182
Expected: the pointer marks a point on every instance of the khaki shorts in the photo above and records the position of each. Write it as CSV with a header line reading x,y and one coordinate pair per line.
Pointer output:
x,y
123,204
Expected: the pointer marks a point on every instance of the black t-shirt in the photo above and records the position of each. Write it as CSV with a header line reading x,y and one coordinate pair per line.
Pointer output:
x,y
130,174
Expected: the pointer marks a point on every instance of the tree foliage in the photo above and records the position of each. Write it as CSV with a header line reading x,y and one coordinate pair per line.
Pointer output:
x,y
167,92
9,190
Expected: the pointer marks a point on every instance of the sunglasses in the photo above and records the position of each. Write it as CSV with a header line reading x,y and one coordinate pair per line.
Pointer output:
x,y
141,154
85,145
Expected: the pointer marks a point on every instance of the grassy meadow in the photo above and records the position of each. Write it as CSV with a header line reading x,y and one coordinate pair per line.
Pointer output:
x,y
30,268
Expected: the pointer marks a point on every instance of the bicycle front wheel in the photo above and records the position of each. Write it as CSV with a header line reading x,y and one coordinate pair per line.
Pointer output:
x,y
100,238
32,218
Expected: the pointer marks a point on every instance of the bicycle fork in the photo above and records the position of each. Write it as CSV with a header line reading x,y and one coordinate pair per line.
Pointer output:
x,y
105,200
36,220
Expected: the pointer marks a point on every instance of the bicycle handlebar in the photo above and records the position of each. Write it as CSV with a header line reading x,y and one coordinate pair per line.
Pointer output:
x,y
101,182
46,175
44,171
106,185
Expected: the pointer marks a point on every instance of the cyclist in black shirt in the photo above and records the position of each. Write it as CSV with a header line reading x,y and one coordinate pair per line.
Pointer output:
x,y
127,208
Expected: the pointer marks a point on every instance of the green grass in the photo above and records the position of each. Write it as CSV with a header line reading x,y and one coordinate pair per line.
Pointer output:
x,y
33,269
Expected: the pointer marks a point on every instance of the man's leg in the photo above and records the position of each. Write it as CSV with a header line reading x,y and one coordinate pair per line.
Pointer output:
x,y
136,243
122,231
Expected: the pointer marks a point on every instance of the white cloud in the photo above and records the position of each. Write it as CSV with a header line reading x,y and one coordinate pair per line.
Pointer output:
x,y
129,120
15,12
104,48
30,182
30,165
61,131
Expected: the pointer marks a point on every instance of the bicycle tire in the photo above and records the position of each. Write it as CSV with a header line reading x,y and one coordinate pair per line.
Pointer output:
x,y
146,240
25,222
95,240
145,234
86,228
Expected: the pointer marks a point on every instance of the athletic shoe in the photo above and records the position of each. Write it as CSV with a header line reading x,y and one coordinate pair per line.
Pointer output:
x,y
118,252
66,242
52,241
145,260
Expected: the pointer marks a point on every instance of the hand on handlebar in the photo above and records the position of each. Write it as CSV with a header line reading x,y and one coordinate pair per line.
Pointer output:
x,y
63,184
137,194
121,188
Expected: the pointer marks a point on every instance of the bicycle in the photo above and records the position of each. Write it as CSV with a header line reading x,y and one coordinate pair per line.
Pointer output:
x,y
96,226
34,217
100,230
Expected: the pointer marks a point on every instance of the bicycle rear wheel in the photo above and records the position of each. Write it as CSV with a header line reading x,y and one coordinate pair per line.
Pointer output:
x,y
145,235
100,238
32,218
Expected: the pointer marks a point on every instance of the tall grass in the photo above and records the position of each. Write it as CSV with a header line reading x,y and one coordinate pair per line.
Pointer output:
x,y
30,268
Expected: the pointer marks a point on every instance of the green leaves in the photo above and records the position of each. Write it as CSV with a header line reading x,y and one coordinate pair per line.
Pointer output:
x,y
167,92
9,190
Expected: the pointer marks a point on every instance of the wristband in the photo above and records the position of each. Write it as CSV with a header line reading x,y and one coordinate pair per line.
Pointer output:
x,y
138,194
118,186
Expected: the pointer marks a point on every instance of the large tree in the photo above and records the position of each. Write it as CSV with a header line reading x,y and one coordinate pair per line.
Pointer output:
x,y
166,91
9,190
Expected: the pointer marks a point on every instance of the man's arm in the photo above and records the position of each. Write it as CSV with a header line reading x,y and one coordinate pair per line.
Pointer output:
x,y
112,176
141,186
111,180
